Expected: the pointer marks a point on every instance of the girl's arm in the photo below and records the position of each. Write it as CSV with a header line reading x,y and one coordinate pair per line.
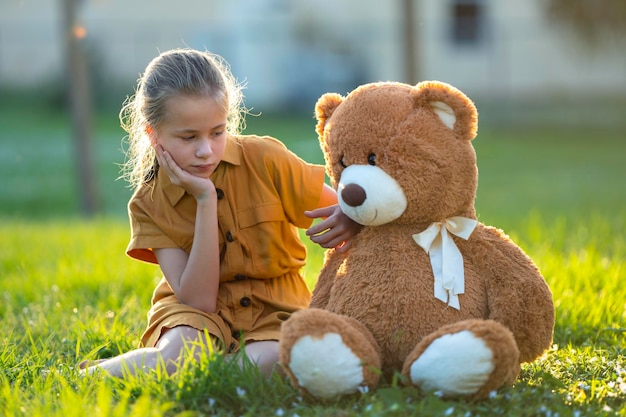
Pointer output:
x,y
337,229
194,278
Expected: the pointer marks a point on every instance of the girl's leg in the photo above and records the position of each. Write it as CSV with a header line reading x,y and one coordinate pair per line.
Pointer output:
x,y
265,355
171,347
169,350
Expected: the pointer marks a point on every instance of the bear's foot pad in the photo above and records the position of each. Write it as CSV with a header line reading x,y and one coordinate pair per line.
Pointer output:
x,y
325,366
455,364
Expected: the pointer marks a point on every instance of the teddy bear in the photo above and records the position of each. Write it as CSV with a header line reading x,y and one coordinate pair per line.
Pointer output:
x,y
425,289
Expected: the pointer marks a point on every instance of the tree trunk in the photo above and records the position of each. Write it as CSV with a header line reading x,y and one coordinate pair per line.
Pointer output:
x,y
80,107
410,44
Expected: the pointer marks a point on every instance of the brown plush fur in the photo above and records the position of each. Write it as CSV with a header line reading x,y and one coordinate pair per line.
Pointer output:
x,y
385,281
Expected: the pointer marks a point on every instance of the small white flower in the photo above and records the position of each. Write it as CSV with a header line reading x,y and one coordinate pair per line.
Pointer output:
x,y
211,402
241,392
280,412
493,394
449,411
363,389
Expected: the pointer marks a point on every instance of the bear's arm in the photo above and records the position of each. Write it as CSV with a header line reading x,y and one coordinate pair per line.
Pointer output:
x,y
326,279
517,294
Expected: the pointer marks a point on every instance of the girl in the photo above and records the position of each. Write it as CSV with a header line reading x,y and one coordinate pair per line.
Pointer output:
x,y
219,213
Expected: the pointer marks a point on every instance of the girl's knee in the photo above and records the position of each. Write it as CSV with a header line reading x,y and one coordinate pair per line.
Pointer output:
x,y
265,355
175,341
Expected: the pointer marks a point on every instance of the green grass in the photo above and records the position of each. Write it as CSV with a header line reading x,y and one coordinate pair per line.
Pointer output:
x,y
68,292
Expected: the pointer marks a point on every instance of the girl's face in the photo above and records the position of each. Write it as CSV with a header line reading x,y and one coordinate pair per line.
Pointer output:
x,y
193,132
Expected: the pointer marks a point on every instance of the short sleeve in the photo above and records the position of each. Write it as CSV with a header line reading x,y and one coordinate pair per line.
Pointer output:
x,y
145,234
299,184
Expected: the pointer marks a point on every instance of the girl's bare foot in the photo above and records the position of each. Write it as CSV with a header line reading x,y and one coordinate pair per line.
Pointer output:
x,y
89,363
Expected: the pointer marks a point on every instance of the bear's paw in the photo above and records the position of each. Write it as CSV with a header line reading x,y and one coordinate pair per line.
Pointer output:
x,y
325,366
456,364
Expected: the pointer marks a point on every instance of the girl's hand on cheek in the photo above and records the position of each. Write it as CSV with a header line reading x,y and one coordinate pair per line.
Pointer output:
x,y
196,186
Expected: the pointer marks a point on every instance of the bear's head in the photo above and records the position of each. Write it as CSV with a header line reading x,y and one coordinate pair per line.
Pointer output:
x,y
401,153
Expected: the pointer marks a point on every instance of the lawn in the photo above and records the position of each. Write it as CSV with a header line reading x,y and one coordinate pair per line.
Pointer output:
x,y
69,293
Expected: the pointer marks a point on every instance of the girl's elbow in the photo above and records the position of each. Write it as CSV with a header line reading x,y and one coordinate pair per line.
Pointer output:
x,y
210,308
207,306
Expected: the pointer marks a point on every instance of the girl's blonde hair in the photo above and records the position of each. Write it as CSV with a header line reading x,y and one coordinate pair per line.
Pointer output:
x,y
178,71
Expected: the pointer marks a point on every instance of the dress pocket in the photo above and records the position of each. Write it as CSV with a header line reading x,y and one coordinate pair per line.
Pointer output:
x,y
271,212
269,240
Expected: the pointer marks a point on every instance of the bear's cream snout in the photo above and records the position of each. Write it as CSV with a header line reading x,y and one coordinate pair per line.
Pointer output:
x,y
370,196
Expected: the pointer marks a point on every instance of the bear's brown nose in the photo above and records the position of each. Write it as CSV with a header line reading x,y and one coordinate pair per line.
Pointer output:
x,y
353,195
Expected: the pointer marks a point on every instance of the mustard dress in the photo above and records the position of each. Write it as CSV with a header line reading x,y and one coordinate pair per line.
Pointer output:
x,y
263,190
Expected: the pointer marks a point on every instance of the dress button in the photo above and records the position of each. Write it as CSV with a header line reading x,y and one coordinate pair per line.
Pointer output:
x,y
245,302
240,277
220,193
229,236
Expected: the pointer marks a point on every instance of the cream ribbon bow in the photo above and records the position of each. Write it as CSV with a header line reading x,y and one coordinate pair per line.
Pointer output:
x,y
445,257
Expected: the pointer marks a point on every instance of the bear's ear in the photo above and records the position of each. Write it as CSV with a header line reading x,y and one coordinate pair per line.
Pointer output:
x,y
454,109
324,108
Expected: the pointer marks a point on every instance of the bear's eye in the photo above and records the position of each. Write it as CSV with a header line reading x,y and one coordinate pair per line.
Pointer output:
x,y
371,159
342,162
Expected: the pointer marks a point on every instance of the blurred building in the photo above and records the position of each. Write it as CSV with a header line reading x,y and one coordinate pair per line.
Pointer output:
x,y
291,51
